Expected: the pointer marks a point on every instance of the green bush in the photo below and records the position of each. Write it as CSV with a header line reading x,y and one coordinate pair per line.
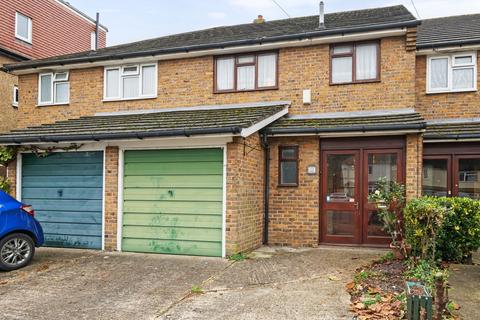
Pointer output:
x,y
460,234
5,185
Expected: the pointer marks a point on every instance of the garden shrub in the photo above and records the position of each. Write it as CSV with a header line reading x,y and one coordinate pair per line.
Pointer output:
x,y
460,234
4,185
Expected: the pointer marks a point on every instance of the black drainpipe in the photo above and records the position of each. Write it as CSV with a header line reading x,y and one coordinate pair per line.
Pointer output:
x,y
266,195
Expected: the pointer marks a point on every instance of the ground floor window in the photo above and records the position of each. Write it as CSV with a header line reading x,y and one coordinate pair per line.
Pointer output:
x,y
451,174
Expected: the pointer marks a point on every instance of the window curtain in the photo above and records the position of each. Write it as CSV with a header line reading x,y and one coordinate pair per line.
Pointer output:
x,y
463,78
267,70
246,78
439,73
46,88
113,89
224,74
342,69
366,62
130,87
148,80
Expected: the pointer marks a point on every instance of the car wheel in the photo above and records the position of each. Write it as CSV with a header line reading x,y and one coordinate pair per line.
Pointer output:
x,y
16,251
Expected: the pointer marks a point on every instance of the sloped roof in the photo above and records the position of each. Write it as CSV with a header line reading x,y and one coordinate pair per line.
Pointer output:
x,y
243,34
228,120
449,31
459,129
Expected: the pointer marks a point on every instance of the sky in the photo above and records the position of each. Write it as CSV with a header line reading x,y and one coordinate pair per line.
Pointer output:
x,y
132,20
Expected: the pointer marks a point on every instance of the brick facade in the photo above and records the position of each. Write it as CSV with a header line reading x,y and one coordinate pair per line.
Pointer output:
x,y
7,82
413,166
111,197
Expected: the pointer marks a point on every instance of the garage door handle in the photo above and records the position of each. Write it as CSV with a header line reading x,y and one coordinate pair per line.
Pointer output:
x,y
60,193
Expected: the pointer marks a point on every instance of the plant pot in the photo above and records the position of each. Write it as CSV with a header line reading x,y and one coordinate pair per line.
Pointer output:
x,y
397,250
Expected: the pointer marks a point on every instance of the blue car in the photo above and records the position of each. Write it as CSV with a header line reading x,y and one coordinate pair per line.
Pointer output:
x,y
20,233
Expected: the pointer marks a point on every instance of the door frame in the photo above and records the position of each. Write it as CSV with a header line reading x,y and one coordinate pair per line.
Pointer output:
x,y
121,171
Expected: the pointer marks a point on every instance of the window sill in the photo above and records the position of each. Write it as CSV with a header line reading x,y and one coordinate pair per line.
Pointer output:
x,y
129,99
53,104
356,82
287,185
24,40
451,91
240,91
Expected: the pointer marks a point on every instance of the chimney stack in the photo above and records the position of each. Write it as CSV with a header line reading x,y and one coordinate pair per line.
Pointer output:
x,y
321,16
259,19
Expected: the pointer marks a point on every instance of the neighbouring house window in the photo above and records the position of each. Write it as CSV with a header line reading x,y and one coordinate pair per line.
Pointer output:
x,y
54,88
23,27
357,62
93,40
246,72
288,166
130,82
15,96
452,73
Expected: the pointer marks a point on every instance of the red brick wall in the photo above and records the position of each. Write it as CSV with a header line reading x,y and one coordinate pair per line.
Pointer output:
x,y
111,197
56,29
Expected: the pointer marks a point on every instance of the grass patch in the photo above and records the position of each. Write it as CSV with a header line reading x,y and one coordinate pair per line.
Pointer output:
x,y
240,256
387,257
196,289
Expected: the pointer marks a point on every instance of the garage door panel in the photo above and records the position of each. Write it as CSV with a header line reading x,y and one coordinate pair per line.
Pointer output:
x,y
56,182
173,155
174,181
69,241
173,201
173,220
174,247
66,191
186,207
173,194
60,193
184,168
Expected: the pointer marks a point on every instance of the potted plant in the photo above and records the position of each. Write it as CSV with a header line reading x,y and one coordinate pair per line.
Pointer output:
x,y
389,197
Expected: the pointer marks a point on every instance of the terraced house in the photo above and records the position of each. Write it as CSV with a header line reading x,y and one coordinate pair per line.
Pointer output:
x,y
214,141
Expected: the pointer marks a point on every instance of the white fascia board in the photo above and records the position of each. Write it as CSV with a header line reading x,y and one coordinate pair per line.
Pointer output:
x,y
450,140
360,36
262,124
424,52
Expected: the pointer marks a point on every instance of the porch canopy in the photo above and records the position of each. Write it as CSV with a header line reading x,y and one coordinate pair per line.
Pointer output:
x,y
451,130
236,120
377,122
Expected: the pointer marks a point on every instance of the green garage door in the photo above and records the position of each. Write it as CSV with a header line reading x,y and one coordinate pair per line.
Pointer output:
x,y
172,201
65,189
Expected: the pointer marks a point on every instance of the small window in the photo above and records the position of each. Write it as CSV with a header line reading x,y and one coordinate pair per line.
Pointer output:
x,y
54,88
288,166
452,73
93,40
15,96
246,72
23,27
353,63
131,82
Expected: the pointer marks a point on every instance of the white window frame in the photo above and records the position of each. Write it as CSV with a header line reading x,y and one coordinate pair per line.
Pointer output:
x,y
450,67
53,88
123,75
14,98
29,38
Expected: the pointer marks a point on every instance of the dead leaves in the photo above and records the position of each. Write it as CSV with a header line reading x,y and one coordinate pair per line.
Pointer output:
x,y
378,307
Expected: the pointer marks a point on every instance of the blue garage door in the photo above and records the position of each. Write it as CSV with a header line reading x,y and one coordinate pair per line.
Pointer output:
x,y
65,189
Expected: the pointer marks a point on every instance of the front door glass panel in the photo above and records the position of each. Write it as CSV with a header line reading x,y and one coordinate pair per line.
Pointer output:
x,y
340,223
469,178
435,177
340,178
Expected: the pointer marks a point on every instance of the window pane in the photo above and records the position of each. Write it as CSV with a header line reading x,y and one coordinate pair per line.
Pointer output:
x,y
366,61
148,80
340,223
267,70
225,68
22,26
462,78
61,76
342,69
131,70
435,181
288,172
130,87
112,90
381,166
289,153
439,73
340,178
463,60
342,49
469,178
46,88
61,92
246,59
246,78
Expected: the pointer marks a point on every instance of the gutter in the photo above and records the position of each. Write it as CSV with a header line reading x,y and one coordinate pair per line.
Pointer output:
x,y
266,191
448,43
416,126
13,55
452,137
118,136
221,45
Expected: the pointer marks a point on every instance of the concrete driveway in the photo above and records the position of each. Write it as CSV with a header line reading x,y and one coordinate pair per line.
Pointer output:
x,y
275,284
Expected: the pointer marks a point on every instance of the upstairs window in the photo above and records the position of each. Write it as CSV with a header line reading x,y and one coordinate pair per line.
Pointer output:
x,y
246,72
130,82
288,166
23,27
15,97
452,73
354,63
54,88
